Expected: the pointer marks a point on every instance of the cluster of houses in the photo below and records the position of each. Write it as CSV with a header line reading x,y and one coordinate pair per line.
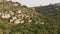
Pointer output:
x,y
19,16
15,16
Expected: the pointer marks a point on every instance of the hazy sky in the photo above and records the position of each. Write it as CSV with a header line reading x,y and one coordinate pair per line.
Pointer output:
x,y
31,3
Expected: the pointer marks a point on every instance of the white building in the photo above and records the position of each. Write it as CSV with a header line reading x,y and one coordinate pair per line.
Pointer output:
x,y
29,20
17,21
11,20
22,21
5,16
14,18
19,11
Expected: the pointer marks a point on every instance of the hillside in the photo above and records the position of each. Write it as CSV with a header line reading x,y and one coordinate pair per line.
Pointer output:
x,y
51,15
16,18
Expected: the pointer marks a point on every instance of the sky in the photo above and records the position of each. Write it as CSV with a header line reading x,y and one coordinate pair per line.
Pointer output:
x,y
33,3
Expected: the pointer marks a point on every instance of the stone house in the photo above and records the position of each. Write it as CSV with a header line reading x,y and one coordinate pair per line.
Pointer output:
x,y
22,21
6,16
29,20
14,18
17,21
11,20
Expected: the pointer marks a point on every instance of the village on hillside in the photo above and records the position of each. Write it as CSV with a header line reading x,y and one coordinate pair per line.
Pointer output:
x,y
16,18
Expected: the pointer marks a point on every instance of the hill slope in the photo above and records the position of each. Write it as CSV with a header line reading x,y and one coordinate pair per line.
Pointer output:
x,y
19,19
51,15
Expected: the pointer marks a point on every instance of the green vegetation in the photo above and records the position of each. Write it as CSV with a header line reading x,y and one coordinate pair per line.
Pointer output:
x,y
51,15
47,18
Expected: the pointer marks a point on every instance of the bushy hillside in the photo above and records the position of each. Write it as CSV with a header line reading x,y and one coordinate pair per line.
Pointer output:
x,y
19,19
16,18
51,15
